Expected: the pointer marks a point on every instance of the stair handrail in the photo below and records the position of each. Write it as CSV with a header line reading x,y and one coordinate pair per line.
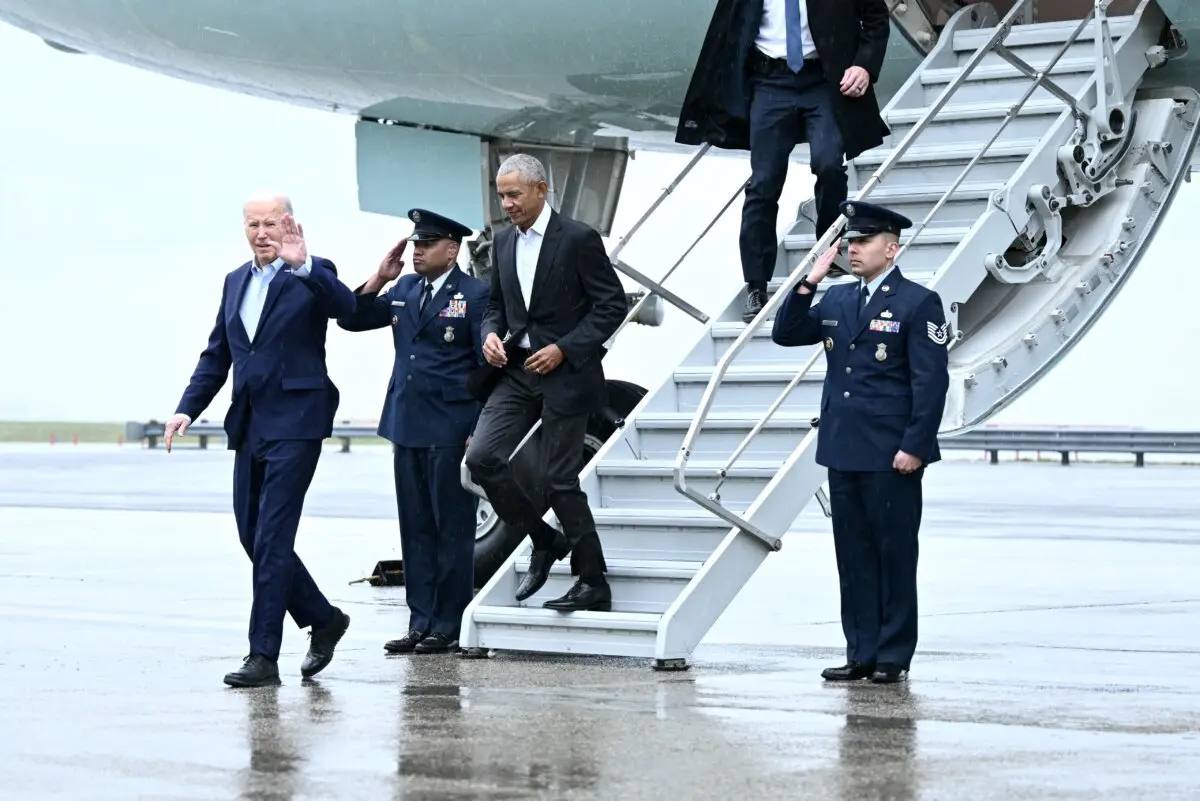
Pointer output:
x,y
993,43
655,288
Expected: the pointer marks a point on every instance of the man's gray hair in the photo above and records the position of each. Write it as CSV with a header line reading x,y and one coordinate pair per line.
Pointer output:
x,y
263,197
527,167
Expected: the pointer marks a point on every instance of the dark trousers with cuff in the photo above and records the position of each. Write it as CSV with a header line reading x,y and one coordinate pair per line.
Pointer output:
x,y
437,537
513,407
270,480
782,105
876,517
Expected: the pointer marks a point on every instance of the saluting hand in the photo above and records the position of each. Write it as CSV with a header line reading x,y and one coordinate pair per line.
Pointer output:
x,y
393,263
906,463
821,266
291,247
545,360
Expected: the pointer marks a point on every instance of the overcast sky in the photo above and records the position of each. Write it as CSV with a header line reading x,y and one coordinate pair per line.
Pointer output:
x,y
120,196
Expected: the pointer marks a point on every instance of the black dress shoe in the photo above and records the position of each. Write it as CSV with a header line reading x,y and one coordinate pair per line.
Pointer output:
x,y
406,644
256,671
888,673
539,571
851,671
437,644
322,642
584,597
755,300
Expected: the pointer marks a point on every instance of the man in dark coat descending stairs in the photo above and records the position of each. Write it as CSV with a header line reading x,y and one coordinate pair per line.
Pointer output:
x,y
776,73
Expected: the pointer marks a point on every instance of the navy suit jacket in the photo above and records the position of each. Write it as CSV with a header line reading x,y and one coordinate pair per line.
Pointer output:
x,y
886,371
427,404
279,373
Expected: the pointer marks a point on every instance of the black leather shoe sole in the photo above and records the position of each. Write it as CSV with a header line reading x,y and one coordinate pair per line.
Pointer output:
x,y
315,662
238,680
438,648
580,605
841,674
397,647
531,584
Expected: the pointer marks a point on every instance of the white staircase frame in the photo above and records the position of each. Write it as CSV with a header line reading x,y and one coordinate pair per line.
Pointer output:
x,y
757,533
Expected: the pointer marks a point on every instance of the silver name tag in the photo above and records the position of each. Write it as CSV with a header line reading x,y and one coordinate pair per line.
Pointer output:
x,y
829,322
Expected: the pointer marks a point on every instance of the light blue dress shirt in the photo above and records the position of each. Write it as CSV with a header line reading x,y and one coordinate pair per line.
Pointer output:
x,y
256,290
871,287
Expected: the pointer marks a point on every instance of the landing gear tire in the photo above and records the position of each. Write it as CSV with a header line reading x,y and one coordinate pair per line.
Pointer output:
x,y
495,540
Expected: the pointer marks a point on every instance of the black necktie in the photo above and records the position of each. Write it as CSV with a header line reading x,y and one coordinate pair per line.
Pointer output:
x,y
866,296
426,294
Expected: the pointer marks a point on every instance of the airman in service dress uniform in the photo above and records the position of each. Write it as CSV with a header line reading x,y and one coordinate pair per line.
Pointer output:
x,y
435,316
886,379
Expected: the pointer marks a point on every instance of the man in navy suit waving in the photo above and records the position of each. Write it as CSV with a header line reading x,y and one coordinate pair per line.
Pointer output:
x,y
885,389
435,315
270,330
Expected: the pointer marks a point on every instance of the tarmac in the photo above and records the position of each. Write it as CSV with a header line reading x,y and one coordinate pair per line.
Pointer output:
x,y
1059,655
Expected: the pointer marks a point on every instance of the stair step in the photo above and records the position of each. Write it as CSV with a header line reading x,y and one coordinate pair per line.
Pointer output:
x,y
919,276
968,203
683,535
942,164
1001,82
975,122
1053,33
650,483
664,468
753,388
660,435
927,252
639,586
535,629
959,112
1005,71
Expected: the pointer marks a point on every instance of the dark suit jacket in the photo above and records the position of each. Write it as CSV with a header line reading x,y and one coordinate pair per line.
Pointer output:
x,y
280,376
427,402
886,374
578,302
847,33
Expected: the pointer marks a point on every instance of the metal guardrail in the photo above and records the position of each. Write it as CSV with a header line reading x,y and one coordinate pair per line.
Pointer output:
x,y
204,430
995,43
1064,441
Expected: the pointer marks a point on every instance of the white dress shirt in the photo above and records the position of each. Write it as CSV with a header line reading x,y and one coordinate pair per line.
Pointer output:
x,y
529,247
772,31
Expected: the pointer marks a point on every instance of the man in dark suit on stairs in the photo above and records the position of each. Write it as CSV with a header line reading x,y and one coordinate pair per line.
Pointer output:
x,y
555,300
270,330
776,73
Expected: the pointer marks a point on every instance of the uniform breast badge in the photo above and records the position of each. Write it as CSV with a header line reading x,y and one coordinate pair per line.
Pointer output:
x,y
828,343
881,351
885,314
449,335
395,319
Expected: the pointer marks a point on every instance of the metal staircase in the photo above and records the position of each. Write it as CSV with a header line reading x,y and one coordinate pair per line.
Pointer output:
x,y
1036,174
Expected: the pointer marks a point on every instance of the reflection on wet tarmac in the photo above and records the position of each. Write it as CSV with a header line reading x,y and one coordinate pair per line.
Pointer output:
x,y
877,746
1030,681
448,749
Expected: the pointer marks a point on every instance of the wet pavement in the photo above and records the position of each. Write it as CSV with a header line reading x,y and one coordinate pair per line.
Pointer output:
x,y
1059,655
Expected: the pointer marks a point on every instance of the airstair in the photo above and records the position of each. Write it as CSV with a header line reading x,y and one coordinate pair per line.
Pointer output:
x,y
1036,173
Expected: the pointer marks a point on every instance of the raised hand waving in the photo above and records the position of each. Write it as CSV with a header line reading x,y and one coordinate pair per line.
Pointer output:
x,y
292,248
